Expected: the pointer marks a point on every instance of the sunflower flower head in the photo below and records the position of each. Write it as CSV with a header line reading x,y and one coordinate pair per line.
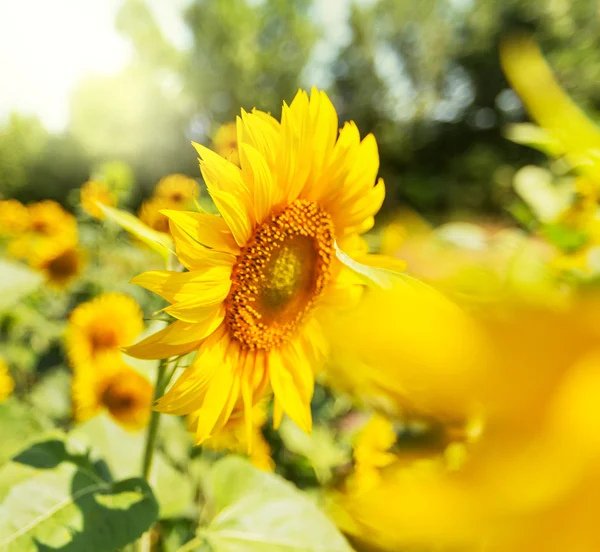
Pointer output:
x,y
150,213
113,387
100,327
14,217
225,143
94,192
60,264
7,384
260,276
48,224
178,189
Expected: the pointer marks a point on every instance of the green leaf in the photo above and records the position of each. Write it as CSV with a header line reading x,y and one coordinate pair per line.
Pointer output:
x,y
52,499
159,241
122,451
566,239
256,511
16,282
52,394
20,425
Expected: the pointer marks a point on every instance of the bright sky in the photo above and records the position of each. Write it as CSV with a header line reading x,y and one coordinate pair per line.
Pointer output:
x,y
47,46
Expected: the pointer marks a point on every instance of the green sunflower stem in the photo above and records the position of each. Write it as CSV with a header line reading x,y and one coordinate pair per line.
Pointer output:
x,y
163,377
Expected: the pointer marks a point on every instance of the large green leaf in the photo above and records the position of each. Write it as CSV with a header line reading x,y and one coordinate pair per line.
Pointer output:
x,y
16,281
254,511
53,499
20,425
122,451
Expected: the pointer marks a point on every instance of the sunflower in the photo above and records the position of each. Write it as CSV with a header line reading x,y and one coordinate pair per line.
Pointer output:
x,y
114,387
59,264
48,224
150,213
6,382
261,275
177,188
100,327
225,143
14,217
94,192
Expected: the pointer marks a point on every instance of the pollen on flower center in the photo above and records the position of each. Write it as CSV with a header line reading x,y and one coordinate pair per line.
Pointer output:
x,y
280,274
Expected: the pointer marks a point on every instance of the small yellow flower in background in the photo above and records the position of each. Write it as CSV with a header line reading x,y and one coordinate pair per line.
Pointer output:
x,y
7,384
261,275
114,386
233,437
14,217
150,213
178,189
94,192
100,327
225,143
59,264
48,224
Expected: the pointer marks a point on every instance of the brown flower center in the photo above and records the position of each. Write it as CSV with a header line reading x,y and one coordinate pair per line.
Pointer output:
x,y
279,275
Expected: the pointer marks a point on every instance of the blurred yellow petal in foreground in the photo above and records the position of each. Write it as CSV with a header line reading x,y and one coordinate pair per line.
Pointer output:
x,y
530,480
406,348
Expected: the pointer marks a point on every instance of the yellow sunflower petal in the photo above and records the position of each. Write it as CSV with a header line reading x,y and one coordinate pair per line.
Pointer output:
x,y
187,393
262,182
260,131
194,256
229,192
176,339
290,382
209,230
183,286
206,310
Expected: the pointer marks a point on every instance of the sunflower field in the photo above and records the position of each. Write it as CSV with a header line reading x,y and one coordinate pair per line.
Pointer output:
x,y
359,312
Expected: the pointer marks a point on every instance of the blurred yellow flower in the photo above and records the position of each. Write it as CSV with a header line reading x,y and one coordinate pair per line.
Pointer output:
x,y
7,384
113,386
262,274
150,213
225,143
14,217
60,265
529,479
178,189
94,192
100,327
48,224
233,436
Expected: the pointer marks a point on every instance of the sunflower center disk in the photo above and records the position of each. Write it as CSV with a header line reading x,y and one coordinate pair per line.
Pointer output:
x,y
280,274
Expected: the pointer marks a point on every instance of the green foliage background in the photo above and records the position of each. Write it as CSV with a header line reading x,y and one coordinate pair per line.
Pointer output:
x,y
423,76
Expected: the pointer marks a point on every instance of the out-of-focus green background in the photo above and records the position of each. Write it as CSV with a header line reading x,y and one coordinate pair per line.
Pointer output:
x,y
135,81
